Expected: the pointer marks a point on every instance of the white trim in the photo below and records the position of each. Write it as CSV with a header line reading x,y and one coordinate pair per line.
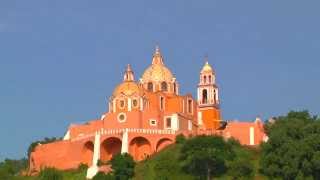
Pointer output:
x,y
124,145
251,135
67,135
129,104
200,118
114,106
189,125
183,106
141,104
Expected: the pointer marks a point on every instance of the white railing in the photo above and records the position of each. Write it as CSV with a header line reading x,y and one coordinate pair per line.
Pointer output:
x,y
104,131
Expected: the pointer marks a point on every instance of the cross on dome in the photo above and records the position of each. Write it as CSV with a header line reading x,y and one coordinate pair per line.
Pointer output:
x,y
157,57
207,67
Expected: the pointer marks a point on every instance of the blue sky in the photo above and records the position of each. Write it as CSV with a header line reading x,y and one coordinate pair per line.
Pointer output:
x,y
60,60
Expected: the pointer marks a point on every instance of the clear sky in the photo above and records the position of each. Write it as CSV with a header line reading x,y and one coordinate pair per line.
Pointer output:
x,y
61,60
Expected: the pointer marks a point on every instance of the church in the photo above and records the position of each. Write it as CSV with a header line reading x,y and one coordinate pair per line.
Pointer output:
x,y
143,117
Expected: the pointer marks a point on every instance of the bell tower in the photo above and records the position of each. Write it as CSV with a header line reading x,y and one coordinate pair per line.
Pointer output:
x,y
208,99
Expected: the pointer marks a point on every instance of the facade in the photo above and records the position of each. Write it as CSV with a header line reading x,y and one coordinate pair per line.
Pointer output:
x,y
144,117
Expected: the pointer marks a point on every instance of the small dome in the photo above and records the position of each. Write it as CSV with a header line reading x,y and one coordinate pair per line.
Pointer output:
x,y
128,88
157,72
207,68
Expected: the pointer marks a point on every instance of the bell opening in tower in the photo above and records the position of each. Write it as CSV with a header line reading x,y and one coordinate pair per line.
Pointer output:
x,y
204,96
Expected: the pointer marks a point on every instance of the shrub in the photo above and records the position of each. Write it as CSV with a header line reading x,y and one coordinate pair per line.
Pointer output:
x,y
103,176
180,139
123,166
240,168
50,174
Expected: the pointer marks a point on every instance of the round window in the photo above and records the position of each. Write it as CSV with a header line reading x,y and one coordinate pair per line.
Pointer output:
x,y
122,117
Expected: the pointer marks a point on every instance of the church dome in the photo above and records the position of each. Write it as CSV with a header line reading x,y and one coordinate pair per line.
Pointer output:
x,y
128,88
157,72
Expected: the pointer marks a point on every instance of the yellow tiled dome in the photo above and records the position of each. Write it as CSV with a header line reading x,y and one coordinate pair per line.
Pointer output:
x,y
128,88
157,72
207,68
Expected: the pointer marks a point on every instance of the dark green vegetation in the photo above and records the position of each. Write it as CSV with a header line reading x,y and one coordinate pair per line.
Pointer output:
x,y
200,157
292,152
293,149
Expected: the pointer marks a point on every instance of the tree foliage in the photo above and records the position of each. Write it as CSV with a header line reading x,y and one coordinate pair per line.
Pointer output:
x,y
293,149
180,139
123,166
10,168
205,156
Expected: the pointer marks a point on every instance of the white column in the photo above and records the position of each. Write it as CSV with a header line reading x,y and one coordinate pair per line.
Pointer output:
x,y
129,104
93,170
114,106
199,118
96,152
175,122
251,135
141,104
124,146
189,125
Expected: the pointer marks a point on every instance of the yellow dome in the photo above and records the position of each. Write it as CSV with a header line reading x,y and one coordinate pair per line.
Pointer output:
x,y
157,72
128,88
207,68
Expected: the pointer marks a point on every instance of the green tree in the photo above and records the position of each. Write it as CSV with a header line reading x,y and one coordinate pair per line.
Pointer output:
x,y
103,176
241,168
180,139
205,156
123,166
10,168
293,149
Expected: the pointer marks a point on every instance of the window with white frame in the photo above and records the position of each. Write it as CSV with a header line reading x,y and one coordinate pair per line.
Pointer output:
x,y
168,122
122,117
153,122
190,106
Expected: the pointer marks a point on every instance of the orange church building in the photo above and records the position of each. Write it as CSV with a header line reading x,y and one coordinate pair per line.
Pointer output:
x,y
144,117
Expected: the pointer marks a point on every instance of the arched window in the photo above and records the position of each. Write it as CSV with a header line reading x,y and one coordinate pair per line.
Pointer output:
x,y
150,86
161,103
164,86
205,79
190,106
215,97
204,96
209,78
175,88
